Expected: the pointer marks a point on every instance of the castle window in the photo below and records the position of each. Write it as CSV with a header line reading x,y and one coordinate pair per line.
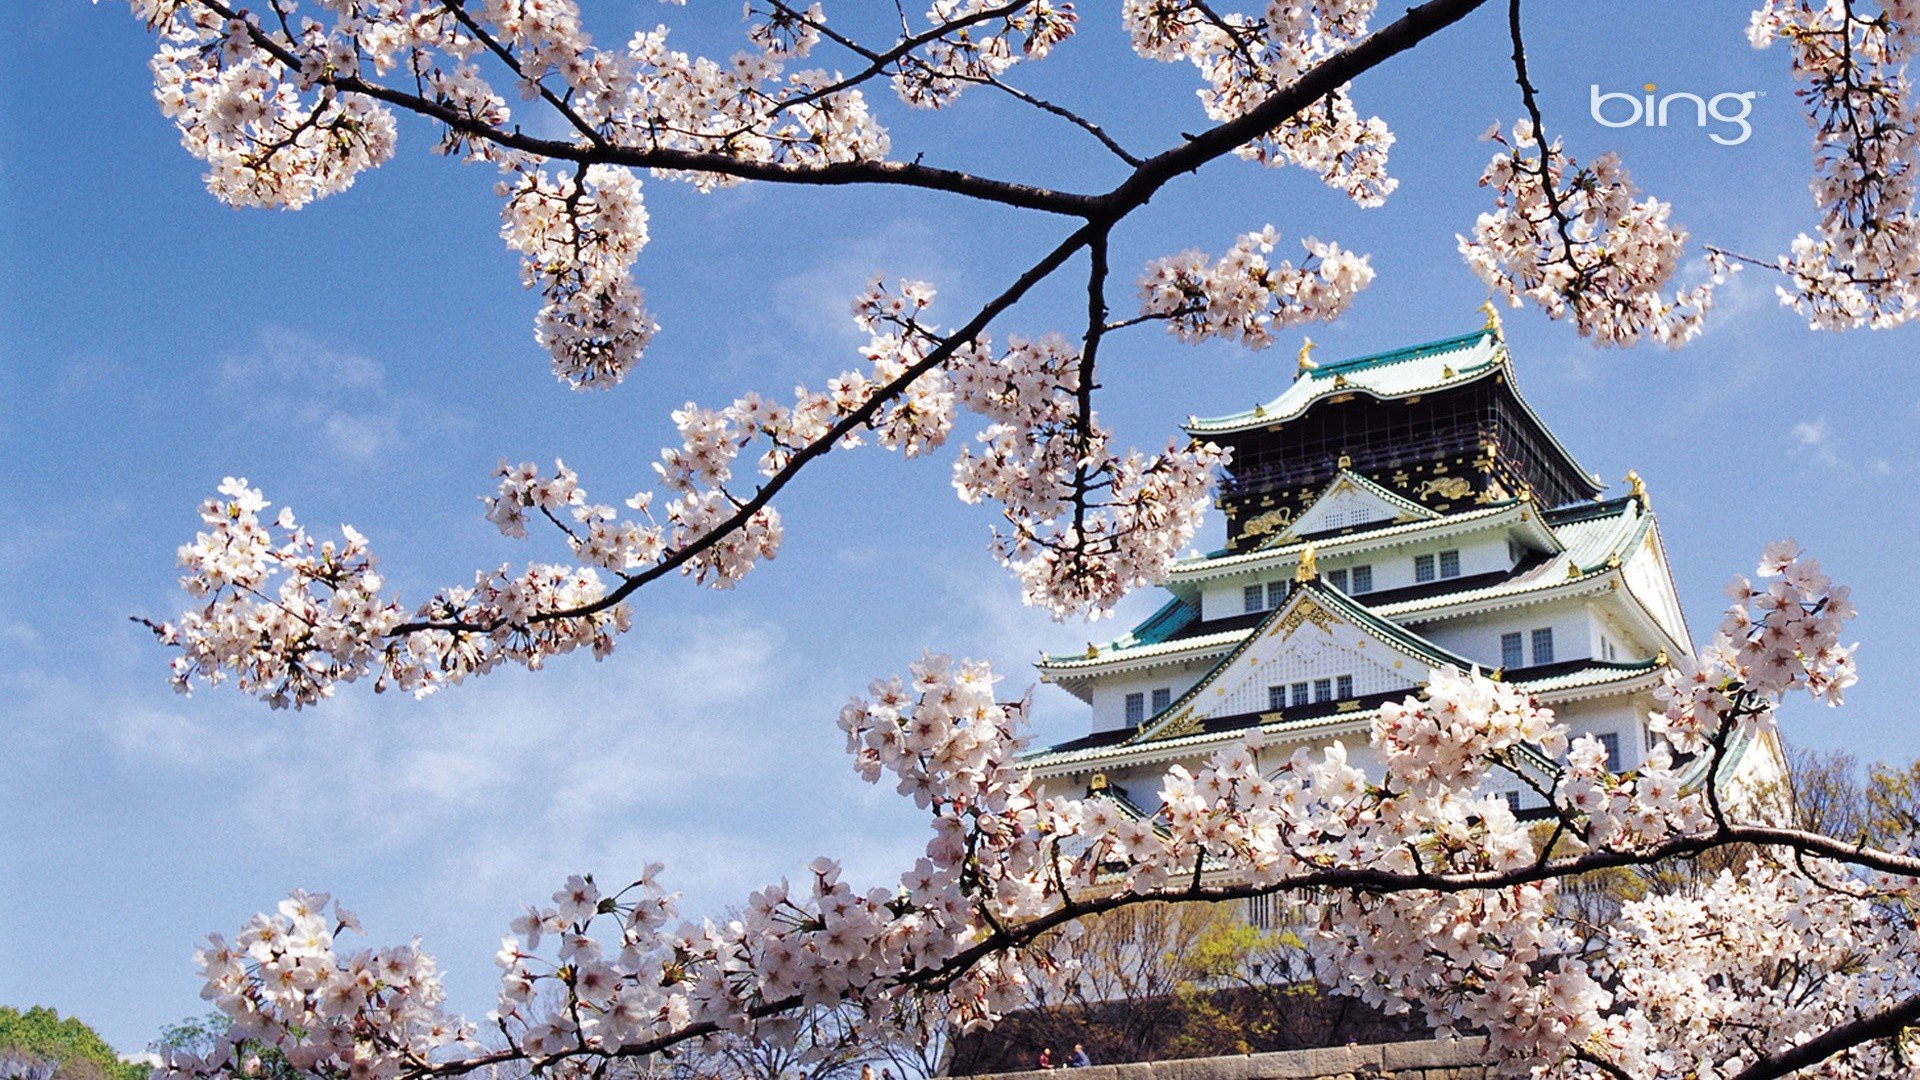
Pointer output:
x,y
1362,579
1276,698
1449,564
1337,579
1612,744
1343,687
1423,568
1260,911
1299,694
1322,690
1162,697
1607,651
1513,800
1511,655
1254,597
1276,592
1136,709
1543,645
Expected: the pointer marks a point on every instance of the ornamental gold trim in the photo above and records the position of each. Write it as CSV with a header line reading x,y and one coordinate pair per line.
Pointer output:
x,y
1308,610
1186,723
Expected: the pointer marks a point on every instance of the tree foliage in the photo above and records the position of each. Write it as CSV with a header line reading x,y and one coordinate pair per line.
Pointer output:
x,y
38,1041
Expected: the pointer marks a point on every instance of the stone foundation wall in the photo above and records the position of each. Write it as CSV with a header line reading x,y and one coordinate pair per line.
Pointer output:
x,y
1457,1059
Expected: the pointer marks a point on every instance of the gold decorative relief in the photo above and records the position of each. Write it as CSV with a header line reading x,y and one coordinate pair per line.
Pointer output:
x,y
1446,487
1272,521
1306,611
1184,724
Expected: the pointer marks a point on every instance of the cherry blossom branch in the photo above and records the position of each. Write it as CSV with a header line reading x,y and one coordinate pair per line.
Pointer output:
x,y
458,9
1575,240
852,422
1888,1023
578,234
1074,118
1529,98
832,174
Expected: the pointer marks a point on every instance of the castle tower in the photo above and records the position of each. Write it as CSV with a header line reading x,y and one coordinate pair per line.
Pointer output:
x,y
1386,515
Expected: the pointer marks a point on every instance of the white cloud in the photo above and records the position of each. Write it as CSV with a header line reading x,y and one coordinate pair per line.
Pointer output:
x,y
1813,439
694,749
813,307
339,400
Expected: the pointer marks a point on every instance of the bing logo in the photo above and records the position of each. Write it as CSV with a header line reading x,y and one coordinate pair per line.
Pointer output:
x,y
1619,110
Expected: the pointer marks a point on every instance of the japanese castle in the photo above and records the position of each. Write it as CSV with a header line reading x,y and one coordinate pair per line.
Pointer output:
x,y
1386,515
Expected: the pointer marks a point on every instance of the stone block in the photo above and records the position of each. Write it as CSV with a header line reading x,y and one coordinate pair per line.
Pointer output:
x,y
1433,1054
1235,1067
1281,1065
1335,1060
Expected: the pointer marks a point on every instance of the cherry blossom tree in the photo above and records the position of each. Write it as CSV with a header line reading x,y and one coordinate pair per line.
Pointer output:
x,y
1437,899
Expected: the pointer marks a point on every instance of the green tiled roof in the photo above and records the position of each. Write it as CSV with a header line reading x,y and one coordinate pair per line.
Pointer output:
x,y
1598,673
1362,536
1174,616
1392,632
1396,373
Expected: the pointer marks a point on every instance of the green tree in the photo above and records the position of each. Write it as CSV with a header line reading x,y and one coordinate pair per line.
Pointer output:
x,y
205,1036
74,1050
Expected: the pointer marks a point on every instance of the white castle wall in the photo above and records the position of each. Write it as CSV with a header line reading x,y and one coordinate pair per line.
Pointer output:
x,y
1392,569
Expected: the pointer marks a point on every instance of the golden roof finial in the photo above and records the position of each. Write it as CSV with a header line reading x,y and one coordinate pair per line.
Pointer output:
x,y
1092,650
1660,659
1639,487
1306,356
1309,566
1493,318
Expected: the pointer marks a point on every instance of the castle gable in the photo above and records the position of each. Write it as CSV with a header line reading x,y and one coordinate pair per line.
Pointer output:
x,y
1352,501
1316,652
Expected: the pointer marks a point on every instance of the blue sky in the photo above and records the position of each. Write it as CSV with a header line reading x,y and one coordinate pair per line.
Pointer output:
x,y
367,360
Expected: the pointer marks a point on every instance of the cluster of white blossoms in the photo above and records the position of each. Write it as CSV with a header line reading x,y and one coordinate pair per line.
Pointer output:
x,y
1246,59
1087,523
979,46
290,618
1437,898
1772,642
375,1012
286,616
1767,958
577,237
1574,241
268,138
1862,266
1245,297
